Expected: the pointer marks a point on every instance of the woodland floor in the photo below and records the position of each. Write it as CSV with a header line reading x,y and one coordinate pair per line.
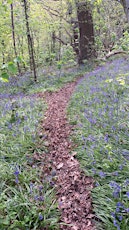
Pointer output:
x,y
39,157
72,186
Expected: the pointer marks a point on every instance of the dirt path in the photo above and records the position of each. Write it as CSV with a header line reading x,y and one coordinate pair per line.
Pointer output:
x,y
72,186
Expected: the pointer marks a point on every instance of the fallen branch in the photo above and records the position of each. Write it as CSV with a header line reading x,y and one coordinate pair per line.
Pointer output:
x,y
60,40
115,52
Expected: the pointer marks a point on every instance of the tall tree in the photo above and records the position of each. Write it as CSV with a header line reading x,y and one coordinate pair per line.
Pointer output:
x,y
30,41
13,36
86,30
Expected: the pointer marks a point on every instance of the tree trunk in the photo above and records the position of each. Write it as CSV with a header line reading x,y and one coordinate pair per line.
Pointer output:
x,y
30,42
85,22
53,44
125,4
3,48
13,36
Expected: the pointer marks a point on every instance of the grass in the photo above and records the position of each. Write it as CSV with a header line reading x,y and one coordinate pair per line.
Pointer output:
x,y
99,111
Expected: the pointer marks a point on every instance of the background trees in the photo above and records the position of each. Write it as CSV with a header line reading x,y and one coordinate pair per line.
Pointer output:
x,y
60,30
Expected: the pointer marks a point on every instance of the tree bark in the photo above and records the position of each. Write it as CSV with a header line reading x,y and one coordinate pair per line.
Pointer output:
x,y
86,31
3,48
13,36
125,4
30,42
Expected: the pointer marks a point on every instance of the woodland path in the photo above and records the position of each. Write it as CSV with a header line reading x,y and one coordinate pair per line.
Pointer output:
x,y
72,186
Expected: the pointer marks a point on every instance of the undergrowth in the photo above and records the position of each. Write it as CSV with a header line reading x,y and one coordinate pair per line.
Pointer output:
x,y
99,111
49,79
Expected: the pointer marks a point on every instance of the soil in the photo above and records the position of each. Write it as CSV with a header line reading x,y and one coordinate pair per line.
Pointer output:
x,y
73,188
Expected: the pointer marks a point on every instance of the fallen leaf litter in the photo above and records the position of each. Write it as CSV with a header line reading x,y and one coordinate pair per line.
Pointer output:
x,y
72,186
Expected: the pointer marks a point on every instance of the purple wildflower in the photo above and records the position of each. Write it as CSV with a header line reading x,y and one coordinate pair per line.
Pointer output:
x,y
116,224
120,218
102,174
127,194
41,198
31,187
113,214
115,173
40,217
127,210
119,204
16,173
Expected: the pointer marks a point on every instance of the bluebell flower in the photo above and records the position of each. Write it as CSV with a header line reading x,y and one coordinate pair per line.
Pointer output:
x,y
52,183
16,173
36,197
16,180
127,194
119,204
116,193
113,214
96,184
121,167
120,218
117,209
40,217
31,187
106,138
40,188
102,174
116,224
41,198
115,173
127,210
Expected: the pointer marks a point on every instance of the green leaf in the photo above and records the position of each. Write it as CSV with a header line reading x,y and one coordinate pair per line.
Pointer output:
x,y
4,77
18,59
10,1
12,68
4,221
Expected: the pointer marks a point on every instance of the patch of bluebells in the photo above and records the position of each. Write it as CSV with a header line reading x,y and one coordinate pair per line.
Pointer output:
x,y
119,214
19,119
101,102
20,114
116,189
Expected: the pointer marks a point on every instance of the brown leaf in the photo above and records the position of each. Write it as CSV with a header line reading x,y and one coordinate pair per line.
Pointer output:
x,y
60,165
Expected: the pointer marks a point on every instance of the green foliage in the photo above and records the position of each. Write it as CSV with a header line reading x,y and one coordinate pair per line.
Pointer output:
x,y
10,69
123,42
67,54
7,70
44,25
4,76
108,26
